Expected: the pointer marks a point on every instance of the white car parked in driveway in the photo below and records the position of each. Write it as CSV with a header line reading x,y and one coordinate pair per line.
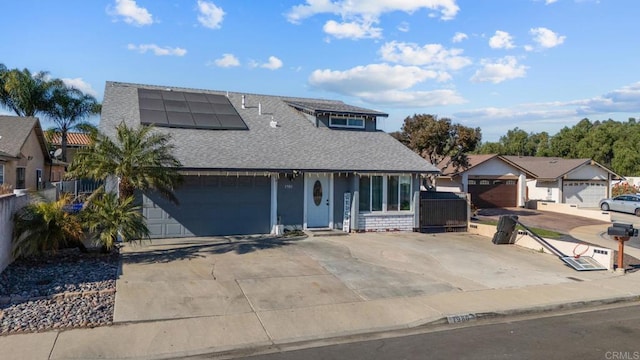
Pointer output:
x,y
628,203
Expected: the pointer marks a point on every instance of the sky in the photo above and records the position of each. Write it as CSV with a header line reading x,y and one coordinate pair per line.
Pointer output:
x,y
538,65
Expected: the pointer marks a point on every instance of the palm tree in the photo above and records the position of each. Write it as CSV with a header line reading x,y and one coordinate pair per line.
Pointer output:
x,y
25,93
141,159
69,107
45,226
107,218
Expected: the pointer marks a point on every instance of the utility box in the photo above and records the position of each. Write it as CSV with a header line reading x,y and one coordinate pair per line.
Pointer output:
x,y
504,230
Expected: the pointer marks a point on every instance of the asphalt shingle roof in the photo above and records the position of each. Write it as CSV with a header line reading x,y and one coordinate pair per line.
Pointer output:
x,y
546,167
295,144
14,131
333,106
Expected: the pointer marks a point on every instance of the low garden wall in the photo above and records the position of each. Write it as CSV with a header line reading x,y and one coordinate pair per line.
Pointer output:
x,y
570,209
9,204
602,255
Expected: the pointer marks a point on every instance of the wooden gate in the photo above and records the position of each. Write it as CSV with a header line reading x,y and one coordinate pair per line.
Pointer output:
x,y
443,212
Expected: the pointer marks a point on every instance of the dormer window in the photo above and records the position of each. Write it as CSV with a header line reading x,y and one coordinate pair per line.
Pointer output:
x,y
346,122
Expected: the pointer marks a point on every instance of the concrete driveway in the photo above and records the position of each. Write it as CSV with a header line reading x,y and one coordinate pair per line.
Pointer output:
x,y
185,278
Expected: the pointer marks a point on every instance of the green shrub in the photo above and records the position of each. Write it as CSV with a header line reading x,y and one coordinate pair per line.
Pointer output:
x,y
44,226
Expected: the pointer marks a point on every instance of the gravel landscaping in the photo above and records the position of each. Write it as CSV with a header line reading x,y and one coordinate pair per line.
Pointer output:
x,y
65,290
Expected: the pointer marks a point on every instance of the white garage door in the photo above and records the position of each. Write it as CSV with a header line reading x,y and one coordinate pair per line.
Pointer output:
x,y
584,193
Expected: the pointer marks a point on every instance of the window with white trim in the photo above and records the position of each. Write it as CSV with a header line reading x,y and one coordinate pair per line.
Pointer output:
x,y
385,193
1,174
346,122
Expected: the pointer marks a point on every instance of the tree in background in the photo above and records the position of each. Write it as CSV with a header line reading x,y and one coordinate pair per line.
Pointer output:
x,y
442,143
27,94
68,110
563,144
141,158
518,142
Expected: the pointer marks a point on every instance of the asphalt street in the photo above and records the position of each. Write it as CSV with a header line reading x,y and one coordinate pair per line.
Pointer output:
x,y
601,334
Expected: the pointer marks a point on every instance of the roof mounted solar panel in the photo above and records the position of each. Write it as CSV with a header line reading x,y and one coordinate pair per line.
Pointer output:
x,y
188,110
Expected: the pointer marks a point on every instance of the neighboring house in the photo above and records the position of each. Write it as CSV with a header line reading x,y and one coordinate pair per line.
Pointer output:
x,y
75,142
510,181
253,162
23,153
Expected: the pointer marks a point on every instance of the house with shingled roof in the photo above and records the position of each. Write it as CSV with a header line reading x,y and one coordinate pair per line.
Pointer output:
x,y
511,181
253,164
24,158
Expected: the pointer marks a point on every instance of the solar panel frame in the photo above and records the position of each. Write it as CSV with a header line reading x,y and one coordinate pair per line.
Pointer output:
x,y
149,94
152,104
173,95
176,105
188,110
180,119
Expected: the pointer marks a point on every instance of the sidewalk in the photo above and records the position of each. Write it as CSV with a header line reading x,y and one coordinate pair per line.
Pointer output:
x,y
171,338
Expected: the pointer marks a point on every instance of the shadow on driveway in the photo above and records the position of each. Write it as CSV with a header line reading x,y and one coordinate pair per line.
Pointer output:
x,y
187,250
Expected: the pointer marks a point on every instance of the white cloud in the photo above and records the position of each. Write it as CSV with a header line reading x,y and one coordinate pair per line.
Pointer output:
x,y
546,38
384,84
551,116
352,30
547,2
358,16
403,26
398,98
370,78
432,55
131,13
227,60
157,50
459,37
625,99
273,64
371,9
504,69
81,85
501,40
209,15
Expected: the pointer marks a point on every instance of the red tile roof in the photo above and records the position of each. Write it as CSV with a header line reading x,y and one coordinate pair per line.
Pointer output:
x,y
73,139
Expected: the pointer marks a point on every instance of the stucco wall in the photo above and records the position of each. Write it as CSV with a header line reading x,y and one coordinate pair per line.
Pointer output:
x,y
546,190
493,167
33,158
8,205
588,172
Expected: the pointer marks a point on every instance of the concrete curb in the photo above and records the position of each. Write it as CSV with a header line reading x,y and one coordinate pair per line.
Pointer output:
x,y
385,332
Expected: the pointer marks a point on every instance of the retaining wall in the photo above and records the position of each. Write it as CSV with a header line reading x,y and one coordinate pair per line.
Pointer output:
x,y
604,256
570,209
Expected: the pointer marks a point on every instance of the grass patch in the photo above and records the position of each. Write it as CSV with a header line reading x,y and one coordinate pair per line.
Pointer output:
x,y
544,233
